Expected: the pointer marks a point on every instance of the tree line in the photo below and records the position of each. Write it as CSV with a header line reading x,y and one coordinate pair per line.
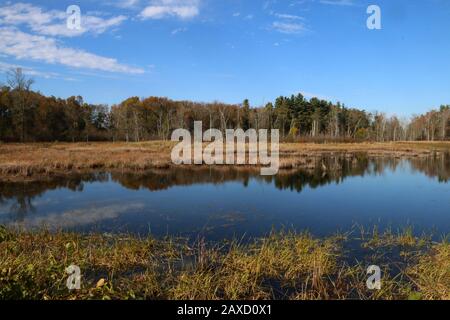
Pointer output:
x,y
28,116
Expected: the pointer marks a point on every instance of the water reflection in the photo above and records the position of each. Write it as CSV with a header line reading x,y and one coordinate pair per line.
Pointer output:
x,y
22,193
31,202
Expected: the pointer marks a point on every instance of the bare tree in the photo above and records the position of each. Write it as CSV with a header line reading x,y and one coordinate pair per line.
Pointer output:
x,y
21,86
445,110
224,116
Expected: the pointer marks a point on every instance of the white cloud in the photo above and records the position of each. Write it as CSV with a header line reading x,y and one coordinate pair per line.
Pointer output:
x,y
289,23
91,24
22,45
288,16
179,30
80,217
126,3
159,9
53,22
338,2
38,43
5,67
289,27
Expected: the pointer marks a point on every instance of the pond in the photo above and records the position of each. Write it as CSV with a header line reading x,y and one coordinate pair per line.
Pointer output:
x,y
341,193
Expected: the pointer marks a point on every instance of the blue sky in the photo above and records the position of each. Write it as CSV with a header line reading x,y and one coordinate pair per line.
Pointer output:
x,y
228,50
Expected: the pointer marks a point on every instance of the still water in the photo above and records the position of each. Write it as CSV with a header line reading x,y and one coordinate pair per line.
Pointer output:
x,y
341,193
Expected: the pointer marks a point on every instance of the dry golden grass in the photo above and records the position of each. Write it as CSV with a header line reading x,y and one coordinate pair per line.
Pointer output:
x,y
431,274
27,160
41,159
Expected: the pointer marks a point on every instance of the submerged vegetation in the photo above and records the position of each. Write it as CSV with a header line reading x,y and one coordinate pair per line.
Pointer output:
x,y
283,265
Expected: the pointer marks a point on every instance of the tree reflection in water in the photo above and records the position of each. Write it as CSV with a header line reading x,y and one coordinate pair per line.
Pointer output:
x,y
19,196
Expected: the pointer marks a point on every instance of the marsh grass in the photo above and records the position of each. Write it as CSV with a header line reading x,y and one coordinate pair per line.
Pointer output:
x,y
283,265
401,238
34,160
431,274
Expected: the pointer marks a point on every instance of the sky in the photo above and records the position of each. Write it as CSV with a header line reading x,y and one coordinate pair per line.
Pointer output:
x,y
230,50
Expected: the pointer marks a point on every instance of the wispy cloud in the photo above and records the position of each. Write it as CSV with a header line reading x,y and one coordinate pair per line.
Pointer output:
x,y
287,16
288,23
159,9
5,67
28,32
22,45
126,3
338,2
53,22
178,30
289,27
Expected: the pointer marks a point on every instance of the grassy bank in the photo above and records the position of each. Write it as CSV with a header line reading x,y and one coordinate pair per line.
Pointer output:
x,y
280,266
31,160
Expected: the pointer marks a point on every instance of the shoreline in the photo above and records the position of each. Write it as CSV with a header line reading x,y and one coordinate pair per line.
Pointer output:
x,y
37,160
